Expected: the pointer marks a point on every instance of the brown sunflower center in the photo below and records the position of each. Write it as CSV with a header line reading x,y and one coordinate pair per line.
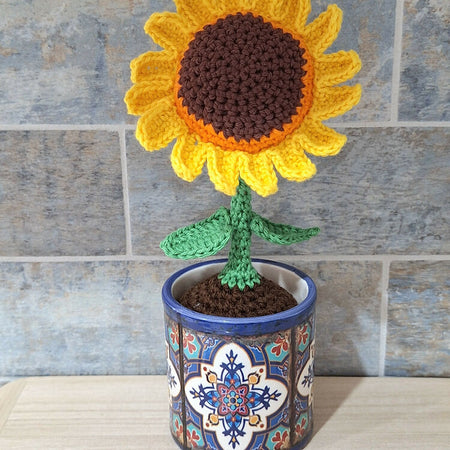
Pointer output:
x,y
242,76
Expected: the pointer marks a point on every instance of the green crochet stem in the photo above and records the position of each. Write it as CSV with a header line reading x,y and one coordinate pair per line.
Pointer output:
x,y
209,236
239,270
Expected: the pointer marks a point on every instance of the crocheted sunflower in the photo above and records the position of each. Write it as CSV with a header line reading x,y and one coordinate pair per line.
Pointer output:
x,y
243,85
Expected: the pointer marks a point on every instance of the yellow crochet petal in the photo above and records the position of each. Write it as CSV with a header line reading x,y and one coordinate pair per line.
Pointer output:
x,y
292,13
335,68
196,12
263,8
160,125
334,101
321,33
318,139
291,162
222,7
250,5
141,96
147,65
188,158
223,169
257,171
168,30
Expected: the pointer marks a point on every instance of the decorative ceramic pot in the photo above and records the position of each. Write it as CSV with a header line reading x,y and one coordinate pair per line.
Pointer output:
x,y
240,383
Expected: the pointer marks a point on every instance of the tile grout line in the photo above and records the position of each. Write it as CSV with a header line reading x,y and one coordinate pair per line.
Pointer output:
x,y
396,60
384,287
127,127
287,258
391,124
358,257
63,127
126,197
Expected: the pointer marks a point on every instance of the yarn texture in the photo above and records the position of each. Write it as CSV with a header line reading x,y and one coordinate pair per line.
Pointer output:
x,y
237,224
243,88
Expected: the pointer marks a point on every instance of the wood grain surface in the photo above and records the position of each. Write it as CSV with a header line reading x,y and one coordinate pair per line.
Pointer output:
x,y
131,413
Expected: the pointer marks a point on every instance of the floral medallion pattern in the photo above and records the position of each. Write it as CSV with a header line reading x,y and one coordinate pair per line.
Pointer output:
x,y
247,393
234,397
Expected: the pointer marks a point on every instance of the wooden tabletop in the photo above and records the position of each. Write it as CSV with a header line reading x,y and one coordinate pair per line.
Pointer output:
x,y
131,413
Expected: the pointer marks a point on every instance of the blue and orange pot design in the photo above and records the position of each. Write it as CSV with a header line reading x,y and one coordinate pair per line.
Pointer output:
x,y
241,384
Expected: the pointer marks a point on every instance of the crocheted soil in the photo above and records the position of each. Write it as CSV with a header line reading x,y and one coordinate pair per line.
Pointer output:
x,y
211,297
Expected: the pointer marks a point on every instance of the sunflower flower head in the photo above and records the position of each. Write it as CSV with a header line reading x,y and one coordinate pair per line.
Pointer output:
x,y
244,86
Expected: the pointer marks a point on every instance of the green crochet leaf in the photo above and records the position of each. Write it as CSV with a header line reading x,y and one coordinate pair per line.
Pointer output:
x,y
278,233
204,238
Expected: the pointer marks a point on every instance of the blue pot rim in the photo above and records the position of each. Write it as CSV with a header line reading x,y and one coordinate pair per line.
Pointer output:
x,y
251,326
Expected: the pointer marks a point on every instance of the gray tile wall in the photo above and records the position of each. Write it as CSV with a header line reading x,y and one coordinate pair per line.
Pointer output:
x,y
83,208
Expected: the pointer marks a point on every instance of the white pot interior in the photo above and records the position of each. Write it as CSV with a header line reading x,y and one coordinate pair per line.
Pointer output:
x,y
283,277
